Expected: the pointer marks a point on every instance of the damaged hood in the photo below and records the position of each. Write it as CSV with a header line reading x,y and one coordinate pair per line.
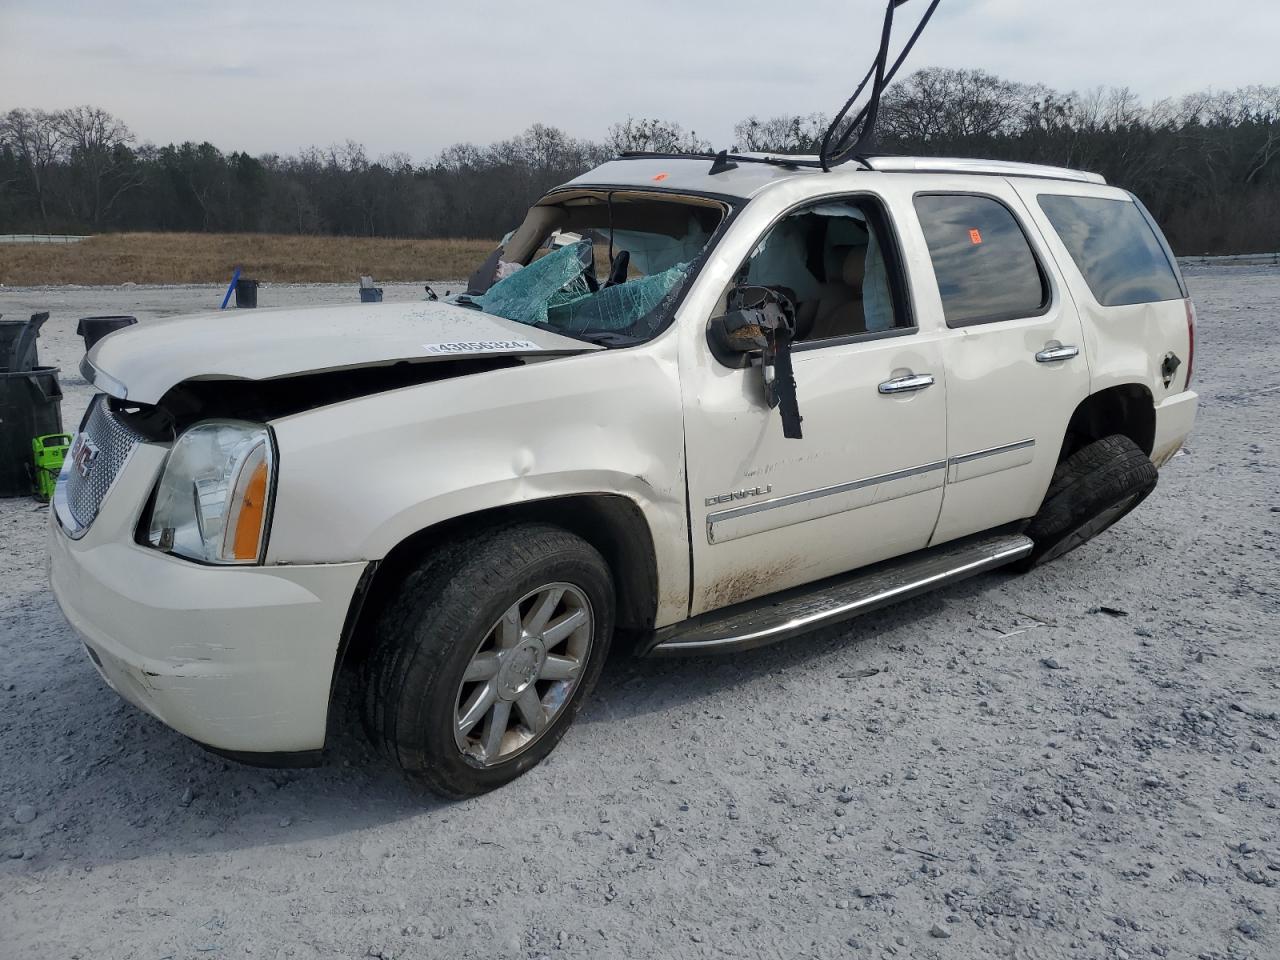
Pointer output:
x,y
142,362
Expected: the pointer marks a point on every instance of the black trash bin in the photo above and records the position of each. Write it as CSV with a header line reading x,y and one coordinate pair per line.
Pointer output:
x,y
246,292
93,329
30,407
18,343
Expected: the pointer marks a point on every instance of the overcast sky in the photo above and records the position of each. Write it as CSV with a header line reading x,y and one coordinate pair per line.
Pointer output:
x,y
275,75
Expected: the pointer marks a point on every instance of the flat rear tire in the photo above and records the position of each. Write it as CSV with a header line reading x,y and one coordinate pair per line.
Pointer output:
x,y
1091,489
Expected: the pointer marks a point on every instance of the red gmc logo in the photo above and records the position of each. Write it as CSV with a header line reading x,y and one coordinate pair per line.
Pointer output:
x,y
83,453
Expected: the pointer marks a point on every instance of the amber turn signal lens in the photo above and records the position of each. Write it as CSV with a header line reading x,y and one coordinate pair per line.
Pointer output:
x,y
253,506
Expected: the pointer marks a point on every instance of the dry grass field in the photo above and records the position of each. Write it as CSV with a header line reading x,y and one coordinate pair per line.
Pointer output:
x,y
116,258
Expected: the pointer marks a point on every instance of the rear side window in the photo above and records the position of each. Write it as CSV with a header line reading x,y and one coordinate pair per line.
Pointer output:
x,y
985,267
1116,249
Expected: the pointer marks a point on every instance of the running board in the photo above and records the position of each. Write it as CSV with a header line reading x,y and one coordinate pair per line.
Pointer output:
x,y
791,612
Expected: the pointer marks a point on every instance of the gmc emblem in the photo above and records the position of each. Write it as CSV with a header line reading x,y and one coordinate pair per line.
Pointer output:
x,y
83,453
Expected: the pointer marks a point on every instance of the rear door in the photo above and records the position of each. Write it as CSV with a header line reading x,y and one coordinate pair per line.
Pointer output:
x,y
1013,352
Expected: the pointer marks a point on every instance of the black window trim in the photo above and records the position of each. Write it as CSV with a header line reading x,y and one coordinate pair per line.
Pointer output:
x,y
1163,242
895,263
804,346
1046,278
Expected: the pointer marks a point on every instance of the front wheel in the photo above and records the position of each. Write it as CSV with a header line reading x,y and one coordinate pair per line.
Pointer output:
x,y
1090,490
486,655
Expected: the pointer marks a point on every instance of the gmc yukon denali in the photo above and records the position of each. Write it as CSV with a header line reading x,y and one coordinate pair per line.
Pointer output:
x,y
704,404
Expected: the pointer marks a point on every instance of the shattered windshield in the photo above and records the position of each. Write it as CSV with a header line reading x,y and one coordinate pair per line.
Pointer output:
x,y
612,266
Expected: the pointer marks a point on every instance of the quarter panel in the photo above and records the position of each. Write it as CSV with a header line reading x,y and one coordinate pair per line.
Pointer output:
x,y
1124,344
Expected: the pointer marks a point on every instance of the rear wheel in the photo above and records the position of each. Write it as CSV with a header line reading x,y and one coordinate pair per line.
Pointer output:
x,y
484,658
1091,490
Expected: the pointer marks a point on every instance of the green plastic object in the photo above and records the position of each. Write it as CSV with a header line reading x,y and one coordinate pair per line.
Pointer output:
x,y
49,452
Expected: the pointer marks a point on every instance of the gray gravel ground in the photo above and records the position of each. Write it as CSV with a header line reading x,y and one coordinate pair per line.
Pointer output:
x,y
1002,769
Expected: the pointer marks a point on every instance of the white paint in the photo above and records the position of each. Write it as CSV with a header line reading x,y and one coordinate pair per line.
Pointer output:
x,y
265,344
662,424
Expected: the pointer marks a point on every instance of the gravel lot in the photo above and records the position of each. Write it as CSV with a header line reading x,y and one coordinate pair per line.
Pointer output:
x,y
1080,762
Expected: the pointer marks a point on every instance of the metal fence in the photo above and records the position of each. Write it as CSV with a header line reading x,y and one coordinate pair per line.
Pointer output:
x,y
1238,259
39,238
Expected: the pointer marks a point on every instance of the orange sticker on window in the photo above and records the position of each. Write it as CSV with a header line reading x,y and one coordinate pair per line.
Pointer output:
x,y
661,176
975,237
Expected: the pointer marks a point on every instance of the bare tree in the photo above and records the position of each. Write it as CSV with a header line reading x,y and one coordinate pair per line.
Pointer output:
x,y
99,156
784,134
947,104
36,138
654,136
1116,108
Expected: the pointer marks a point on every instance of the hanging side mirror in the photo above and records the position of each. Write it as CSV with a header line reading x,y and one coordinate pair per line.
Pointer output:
x,y
761,321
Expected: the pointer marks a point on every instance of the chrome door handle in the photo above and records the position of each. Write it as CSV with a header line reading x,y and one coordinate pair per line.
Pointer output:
x,y
908,384
1055,354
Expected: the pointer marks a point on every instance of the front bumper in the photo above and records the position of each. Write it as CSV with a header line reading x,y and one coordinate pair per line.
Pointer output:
x,y
1174,417
240,659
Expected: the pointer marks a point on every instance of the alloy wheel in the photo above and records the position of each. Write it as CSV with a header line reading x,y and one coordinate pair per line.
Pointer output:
x,y
524,671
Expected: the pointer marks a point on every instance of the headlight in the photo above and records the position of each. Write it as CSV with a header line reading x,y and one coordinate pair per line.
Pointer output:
x,y
211,504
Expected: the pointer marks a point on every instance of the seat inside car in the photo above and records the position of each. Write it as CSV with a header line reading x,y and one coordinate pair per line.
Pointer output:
x,y
838,309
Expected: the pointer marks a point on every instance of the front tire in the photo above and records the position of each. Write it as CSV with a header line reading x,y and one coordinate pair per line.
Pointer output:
x,y
485,656
1090,490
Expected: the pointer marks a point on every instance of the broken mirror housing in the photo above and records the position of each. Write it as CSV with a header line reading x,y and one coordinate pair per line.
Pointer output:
x,y
762,319
211,503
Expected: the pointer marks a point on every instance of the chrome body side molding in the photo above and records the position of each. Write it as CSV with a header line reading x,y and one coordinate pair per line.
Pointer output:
x,y
726,525
792,612
980,463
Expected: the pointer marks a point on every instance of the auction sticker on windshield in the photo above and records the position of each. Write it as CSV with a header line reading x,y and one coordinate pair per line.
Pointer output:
x,y
480,346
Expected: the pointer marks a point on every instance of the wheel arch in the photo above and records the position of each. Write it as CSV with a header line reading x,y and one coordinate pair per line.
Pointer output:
x,y
1127,409
613,524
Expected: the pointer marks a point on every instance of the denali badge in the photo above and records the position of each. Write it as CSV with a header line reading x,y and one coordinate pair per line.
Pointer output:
x,y
739,495
83,453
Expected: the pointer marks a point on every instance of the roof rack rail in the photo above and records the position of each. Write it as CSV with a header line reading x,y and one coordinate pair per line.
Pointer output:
x,y
724,160
962,165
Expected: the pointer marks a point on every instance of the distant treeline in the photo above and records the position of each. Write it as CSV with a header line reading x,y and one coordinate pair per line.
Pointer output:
x,y
1208,164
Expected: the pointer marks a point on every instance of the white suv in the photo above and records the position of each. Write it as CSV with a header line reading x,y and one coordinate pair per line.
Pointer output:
x,y
709,404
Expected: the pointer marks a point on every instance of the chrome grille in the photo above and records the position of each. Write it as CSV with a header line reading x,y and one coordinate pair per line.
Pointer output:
x,y
88,476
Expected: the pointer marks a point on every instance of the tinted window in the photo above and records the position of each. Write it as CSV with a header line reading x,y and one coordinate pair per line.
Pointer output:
x,y
1115,248
984,265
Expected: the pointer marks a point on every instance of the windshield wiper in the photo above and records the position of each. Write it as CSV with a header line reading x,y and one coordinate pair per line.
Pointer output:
x,y
604,338
607,338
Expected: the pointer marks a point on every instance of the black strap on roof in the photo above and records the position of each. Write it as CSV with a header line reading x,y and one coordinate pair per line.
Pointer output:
x,y
846,139
855,139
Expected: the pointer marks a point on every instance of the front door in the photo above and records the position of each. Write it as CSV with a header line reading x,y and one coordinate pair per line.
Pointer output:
x,y
865,482
1014,355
